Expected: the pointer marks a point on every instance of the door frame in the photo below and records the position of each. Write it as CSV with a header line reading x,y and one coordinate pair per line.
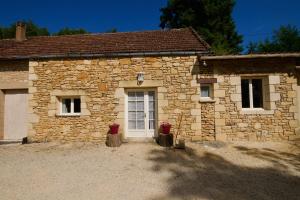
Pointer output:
x,y
147,133
23,91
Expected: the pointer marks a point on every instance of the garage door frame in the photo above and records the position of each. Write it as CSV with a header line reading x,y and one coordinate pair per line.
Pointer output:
x,y
2,109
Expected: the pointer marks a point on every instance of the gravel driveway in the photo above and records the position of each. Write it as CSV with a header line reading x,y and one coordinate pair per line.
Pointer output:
x,y
146,171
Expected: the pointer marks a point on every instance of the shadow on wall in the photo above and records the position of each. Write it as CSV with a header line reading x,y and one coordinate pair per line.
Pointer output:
x,y
248,66
209,176
14,65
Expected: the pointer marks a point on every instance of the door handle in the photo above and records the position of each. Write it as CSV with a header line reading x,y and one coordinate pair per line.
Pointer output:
x,y
145,115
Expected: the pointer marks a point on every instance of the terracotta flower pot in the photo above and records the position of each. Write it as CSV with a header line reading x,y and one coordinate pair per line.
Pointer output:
x,y
114,128
165,128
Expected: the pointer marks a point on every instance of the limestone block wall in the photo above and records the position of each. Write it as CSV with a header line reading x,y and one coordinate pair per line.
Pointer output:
x,y
13,74
102,83
208,121
278,119
207,110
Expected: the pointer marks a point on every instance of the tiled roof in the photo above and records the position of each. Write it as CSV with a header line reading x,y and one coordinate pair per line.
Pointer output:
x,y
174,40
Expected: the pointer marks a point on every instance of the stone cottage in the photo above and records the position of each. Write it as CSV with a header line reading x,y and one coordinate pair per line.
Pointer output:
x,y
71,88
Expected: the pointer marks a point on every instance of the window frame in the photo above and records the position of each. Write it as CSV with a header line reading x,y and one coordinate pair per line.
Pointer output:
x,y
72,113
210,92
251,102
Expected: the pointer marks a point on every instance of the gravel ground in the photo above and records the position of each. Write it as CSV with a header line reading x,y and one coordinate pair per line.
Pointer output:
x,y
146,171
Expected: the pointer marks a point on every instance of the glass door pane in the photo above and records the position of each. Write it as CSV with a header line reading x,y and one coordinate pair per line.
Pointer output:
x,y
136,110
245,93
151,111
257,93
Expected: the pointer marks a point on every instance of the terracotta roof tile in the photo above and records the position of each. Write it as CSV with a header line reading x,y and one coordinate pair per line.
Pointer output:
x,y
174,40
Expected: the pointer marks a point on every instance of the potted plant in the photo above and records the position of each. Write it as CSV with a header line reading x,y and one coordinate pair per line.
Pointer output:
x,y
165,127
114,128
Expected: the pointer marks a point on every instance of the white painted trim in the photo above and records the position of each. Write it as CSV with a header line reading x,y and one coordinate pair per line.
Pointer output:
x,y
72,105
210,98
125,114
262,78
72,113
147,133
251,93
69,114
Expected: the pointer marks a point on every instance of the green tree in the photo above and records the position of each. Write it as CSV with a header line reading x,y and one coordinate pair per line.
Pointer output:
x,y
112,30
285,39
31,30
69,31
210,18
34,30
8,32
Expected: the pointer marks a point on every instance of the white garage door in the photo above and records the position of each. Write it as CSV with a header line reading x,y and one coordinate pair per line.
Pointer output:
x,y
15,114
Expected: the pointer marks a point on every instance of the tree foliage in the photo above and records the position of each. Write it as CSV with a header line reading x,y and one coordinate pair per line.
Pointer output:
x,y
31,30
112,30
285,39
210,18
69,31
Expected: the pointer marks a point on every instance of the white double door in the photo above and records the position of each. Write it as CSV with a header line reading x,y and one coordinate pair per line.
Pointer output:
x,y
141,113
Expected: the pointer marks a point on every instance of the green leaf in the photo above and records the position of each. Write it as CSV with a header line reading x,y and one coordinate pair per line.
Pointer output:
x,y
210,18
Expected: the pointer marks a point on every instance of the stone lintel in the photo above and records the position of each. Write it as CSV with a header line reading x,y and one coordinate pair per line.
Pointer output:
x,y
206,80
146,83
13,85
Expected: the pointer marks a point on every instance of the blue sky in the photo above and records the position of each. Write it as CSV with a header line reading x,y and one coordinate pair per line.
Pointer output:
x,y
255,19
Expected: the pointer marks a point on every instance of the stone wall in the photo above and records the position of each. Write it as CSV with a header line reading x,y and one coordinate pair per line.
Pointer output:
x,y
207,107
276,122
208,121
13,75
104,82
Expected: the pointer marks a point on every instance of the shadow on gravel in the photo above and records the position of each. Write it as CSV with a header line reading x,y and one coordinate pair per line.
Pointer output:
x,y
9,142
280,159
209,176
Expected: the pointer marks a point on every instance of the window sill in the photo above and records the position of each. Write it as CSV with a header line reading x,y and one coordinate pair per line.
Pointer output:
x,y
207,100
254,111
69,115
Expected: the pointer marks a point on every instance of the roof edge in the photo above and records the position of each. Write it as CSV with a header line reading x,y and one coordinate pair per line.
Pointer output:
x,y
100,33
250,56
74,55
199,38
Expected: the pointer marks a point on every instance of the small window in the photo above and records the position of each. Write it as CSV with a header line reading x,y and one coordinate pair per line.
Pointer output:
x,y
70,106
77,108
252,93
206,91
